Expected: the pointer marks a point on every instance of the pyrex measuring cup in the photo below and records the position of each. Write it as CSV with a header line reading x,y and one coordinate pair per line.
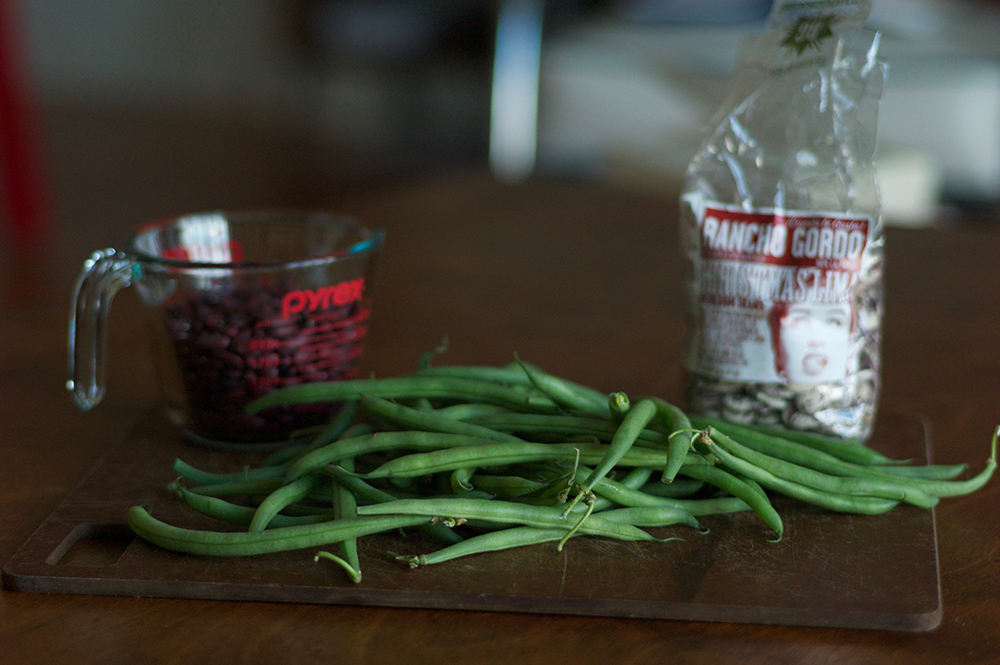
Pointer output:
x,y
237,305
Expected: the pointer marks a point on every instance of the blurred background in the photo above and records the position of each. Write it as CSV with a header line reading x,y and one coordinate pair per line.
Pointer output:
x,y
291,97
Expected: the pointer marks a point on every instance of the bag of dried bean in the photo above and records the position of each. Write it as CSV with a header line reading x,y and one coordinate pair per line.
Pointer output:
x,y
781,229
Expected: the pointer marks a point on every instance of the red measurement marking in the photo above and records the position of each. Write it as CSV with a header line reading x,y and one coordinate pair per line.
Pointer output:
x,y
279,321
266,382
263,344
336,325
319,343
261,362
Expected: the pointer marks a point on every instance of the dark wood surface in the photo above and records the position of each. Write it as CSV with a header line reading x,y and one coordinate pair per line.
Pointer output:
x,y
579,278
843,571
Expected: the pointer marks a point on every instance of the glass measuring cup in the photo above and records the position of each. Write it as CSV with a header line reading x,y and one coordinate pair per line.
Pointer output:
x,y
238,305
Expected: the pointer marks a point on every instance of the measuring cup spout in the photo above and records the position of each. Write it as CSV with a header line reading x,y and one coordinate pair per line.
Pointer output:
x,y
103,275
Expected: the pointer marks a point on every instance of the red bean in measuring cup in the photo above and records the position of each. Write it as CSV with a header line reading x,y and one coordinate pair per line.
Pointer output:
x,y
236,346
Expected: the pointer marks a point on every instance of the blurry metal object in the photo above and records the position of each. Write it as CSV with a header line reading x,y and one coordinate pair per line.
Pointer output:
x,y
514,106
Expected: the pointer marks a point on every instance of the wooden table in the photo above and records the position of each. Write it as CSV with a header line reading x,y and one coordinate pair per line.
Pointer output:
x,y
579,278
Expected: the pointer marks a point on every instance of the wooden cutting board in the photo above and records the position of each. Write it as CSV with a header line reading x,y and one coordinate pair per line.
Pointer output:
x,y
874,572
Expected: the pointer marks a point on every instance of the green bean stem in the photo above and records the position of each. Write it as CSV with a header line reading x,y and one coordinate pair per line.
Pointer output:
x,y
618,405
353,570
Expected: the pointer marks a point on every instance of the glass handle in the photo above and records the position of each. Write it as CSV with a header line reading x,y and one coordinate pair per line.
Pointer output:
x,y
103,275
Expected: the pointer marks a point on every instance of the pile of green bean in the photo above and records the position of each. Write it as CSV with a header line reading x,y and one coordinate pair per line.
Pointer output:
x,y
484,458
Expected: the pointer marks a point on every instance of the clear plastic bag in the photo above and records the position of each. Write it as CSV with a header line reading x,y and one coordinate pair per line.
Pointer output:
x,y
782,232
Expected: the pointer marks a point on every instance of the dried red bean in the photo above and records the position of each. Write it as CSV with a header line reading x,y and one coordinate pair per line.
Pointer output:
x,y
236,346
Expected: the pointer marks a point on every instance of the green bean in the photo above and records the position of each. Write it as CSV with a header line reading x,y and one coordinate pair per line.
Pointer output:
x,y
511,375
565,393
563,425
253,486
274,502
632,424
622,495
362,491
368,494
454,445
715,506
861,505
560,425
408,387
195,475
380,441
678,489
504,512
798,453
232,513
680,435
248,543
497,454
634,421
471,410
428,421
331,431
653,516
952,488
630,497
506,487
849,485
637,477
493,541
284,455
749,494
921,472
338,424
345,505
849,450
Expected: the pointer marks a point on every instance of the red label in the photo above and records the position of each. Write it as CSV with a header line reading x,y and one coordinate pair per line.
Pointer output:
x,y
310,300
820,241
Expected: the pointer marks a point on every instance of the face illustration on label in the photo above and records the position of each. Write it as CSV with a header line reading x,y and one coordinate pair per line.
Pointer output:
x,y
812,341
